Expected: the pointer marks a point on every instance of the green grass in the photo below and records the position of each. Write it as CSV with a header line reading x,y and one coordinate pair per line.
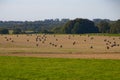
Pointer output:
x,y
93,34
10,31
107,34
21,68
102,34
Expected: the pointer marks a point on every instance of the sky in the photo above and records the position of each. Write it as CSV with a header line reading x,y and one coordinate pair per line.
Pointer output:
x,y
30,10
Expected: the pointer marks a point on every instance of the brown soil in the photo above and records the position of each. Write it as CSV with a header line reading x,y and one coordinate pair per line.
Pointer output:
x,y
67,55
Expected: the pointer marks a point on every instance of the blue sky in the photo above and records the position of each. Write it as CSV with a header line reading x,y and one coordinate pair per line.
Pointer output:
x,y
50,9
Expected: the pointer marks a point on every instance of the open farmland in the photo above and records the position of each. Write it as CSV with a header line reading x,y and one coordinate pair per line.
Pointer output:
x,y
53,52
59,43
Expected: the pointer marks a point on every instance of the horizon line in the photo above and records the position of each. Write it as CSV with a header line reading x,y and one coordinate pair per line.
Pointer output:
x,y
63,18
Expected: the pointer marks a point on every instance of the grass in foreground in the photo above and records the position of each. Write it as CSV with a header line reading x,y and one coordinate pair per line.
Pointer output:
x,y
19,68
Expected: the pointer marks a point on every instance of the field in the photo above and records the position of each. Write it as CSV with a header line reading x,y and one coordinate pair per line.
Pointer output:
x,y
39,43
23,68
59,57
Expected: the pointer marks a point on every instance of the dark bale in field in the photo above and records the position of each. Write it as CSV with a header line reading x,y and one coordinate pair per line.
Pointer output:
x,y
10,38
113,38
110,42
12,41
105,40
43,42
118,45
36,39
7,39
107,44
56,39
84,40
50,43
27,40
88,35
91,47
37,45
92,38
74,43
40,39
55,45
44,39
61,46
108,47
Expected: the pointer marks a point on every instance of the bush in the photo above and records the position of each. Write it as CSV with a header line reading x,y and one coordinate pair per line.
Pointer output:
x,y
4,31
17,31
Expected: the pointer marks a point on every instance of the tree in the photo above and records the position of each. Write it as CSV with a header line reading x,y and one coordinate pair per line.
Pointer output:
x,y
44,31
76,29
4,31
17,31
68,27
79,26
103,27
115,27
34,26
57,30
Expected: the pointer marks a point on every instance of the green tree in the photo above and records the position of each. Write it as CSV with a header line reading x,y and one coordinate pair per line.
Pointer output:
x,y
115,27
4,31
57,30
76,29
103,27
17,31
79,26
68,27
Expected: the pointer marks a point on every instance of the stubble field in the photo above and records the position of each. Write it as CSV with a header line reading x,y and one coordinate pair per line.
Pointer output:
x,y
46,45
59,43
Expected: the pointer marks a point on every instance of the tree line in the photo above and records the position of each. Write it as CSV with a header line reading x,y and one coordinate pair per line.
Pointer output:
x,y
20,27
64,26
81,26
